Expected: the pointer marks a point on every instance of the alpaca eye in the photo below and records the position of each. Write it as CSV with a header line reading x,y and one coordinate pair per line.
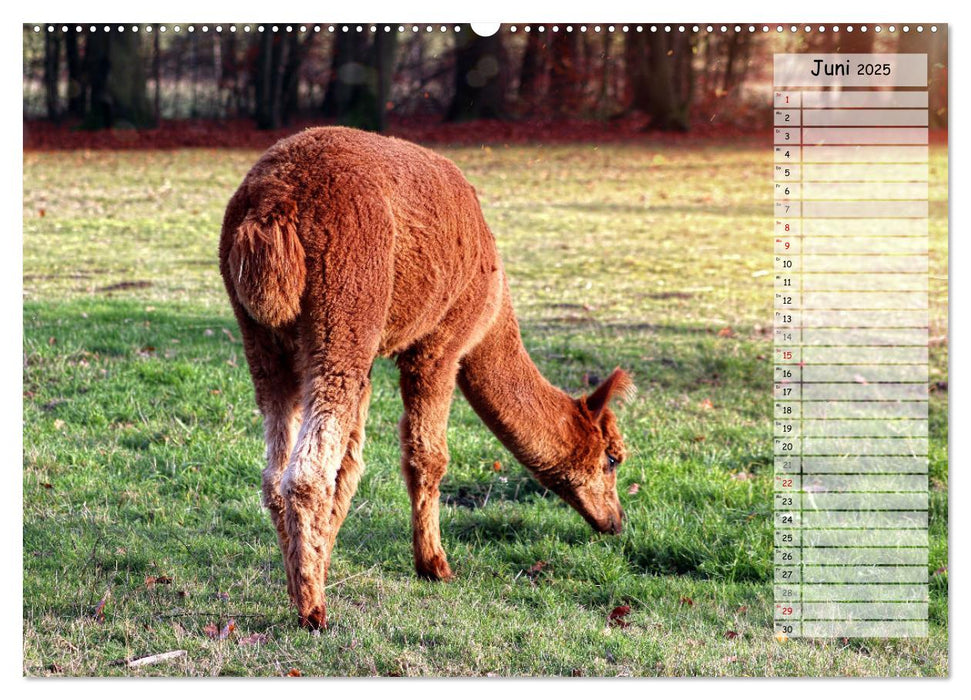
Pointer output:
x,y
611,462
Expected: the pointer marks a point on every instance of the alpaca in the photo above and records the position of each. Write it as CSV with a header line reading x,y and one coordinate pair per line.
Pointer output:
x,y
341,246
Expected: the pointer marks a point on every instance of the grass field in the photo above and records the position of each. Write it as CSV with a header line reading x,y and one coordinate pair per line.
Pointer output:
x,y
143,448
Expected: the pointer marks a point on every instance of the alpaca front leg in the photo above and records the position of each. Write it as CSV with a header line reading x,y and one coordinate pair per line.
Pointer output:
x,y
427,395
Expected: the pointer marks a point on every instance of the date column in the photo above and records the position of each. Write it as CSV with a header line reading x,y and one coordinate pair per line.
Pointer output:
x,y
787,381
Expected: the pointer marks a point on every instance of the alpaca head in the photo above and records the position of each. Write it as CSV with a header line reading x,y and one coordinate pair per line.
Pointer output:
x,y
587,480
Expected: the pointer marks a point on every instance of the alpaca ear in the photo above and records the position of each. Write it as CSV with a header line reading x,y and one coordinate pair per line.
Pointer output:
x,y
618,384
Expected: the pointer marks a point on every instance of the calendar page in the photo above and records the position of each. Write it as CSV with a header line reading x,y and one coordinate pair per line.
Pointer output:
x,y
549,349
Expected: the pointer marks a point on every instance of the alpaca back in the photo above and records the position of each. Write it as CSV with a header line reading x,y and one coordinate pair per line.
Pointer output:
x,y
380,210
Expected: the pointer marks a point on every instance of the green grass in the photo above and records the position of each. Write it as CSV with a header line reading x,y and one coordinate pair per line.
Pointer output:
x,y
143,448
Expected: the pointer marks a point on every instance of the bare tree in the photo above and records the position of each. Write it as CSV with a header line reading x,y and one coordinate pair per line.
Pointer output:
x,y
566,72
117,81
481,77
360,79
534,74
661,77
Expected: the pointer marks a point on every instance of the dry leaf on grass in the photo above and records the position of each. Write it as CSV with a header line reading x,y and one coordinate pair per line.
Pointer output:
x,y
255,638
214,632
99,610
152,581
617,615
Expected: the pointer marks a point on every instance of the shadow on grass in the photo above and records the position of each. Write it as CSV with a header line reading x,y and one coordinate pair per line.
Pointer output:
x,y
164,376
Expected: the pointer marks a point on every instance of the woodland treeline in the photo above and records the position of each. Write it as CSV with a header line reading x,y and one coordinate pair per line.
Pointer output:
x,y
361,75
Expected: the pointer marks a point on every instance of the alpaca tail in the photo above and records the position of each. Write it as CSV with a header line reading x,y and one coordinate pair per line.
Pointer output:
x,y
267,265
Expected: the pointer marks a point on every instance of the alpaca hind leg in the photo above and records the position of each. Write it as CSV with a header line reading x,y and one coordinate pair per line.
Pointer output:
x,y
345,308
335,385
277,388
352,466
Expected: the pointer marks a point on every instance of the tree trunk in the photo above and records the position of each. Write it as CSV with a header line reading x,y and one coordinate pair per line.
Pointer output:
x,y
157,71
535,69
384,47
76,83
661,78
566,80
296,52
118,89
52,69
481,77
265,80
360,80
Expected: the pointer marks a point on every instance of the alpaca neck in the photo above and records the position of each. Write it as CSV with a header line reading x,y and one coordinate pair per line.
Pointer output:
x,y
530,416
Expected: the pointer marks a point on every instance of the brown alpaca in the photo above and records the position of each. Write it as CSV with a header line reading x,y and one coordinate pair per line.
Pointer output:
x,y
341,246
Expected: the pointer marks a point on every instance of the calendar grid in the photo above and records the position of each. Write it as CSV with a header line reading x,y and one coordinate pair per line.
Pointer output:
x,y
851,330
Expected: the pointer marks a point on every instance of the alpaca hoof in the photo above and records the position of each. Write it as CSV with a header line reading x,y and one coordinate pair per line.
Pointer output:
x,y
437,569
315,620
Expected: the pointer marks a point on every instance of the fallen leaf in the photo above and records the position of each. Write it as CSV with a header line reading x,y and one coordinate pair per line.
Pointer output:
x,y
99,611
699,438
537,567
707,405
685,600
294,672
726,332
497,466
617,615
255,638
731,634
742,609
214,632
58,424
47,486
152,581
42,213
633,489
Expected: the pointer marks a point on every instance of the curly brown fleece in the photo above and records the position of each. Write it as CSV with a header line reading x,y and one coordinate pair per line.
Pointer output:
x,y
341,246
